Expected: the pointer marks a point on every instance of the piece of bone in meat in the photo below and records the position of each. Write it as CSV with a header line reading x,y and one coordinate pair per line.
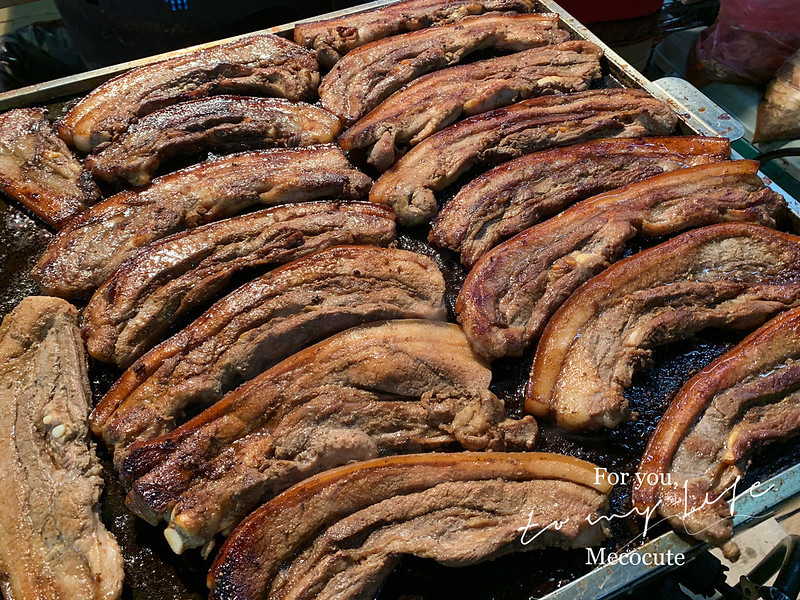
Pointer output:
x,y
522,192
150,291
513,290
53,544
733,275
39,170
743,400
411,185
384,498
370,74
260,324
438,99
221,124
261,65
94,244
332,38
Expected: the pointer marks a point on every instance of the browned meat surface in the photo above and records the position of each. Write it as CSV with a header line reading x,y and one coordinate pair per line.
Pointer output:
x,y
370,74
264,65
438,99
222,124
53,545
142,299
38,170
743,400
259,325
513,290
733,275
340,532
396,386
520,193
333,38
94,244
410,186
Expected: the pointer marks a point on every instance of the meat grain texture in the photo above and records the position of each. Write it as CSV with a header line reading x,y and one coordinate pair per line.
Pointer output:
x,y
438,99
262,323
340,533
734,275
53,545
93,245
745,399
38,169
262,65
221,124
333,38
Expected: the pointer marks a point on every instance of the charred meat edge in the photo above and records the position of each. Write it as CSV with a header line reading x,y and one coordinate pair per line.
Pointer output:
x,y
416,361
262,64
93,244
708,421
260,324
520,193
150,291
734,275
438,99
513,290
370,74
333,38
53,543
270,537
38,170
410,186
222,124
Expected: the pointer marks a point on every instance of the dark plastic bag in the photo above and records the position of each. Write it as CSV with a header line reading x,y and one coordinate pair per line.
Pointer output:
x,y
749,41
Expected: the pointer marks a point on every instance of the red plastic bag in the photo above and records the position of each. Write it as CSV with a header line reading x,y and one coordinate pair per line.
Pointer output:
x,y
749,41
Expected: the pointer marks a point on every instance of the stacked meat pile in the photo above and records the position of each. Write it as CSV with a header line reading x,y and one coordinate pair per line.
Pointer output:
x,y
243,268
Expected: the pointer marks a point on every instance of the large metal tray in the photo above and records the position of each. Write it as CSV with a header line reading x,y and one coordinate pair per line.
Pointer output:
x,y
154,573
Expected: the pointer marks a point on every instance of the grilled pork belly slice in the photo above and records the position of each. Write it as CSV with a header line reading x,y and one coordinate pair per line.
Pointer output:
x,y
264,65
520,193
333,38
370,74
52,542
513,290
340,532
142,299
93,245
390,387
39,170
262,323
734,275
222,124
438,99
745,399
410,186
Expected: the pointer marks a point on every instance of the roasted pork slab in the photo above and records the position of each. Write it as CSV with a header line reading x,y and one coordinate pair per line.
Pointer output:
x,y
745,399
222,124
438,99
39,170
265,65
340,533
92,246
52,542
412,183
260,324
520,193
384,388
142,299
513,290
733,275
370,74
333,38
